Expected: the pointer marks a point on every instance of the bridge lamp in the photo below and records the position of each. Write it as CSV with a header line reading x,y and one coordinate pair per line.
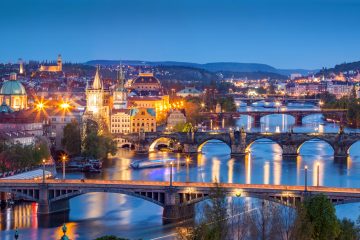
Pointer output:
x,y
171,173
43,162
63,159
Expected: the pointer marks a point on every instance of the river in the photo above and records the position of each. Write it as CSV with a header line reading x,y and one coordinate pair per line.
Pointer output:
x,y
97,214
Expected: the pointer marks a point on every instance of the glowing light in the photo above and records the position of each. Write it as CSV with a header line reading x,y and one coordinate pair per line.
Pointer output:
x,y
65,105
40,106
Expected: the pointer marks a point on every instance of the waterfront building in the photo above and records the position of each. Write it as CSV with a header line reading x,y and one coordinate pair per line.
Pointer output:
x,y
120,124
143,120
52,68
339,88
15,137
13,93
98,103
175,117
189,92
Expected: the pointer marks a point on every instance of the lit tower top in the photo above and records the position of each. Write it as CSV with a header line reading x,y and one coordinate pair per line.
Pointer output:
x,y
97,84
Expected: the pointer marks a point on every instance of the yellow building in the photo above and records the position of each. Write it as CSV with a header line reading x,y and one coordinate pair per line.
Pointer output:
x,y
53,68
143,120
13,94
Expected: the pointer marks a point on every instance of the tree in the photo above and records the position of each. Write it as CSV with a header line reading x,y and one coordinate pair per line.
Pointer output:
x,y
98,146
348,230
72,139
321,214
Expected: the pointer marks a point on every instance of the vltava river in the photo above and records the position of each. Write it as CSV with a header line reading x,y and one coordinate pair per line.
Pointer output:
x,y
97,214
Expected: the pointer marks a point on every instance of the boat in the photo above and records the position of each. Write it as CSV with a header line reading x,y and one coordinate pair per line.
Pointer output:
x,y
139,164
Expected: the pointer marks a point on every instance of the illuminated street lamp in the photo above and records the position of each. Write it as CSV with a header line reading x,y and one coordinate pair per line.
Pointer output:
x,y
306,170
63,158
64,105
40,106
43,162
171,173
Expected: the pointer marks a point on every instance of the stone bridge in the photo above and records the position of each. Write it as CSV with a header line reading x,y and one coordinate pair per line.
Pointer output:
x,y
240,141
177,200
297,114
281,99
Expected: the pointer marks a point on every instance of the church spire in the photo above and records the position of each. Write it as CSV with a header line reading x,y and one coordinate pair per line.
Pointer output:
x,y
121,78
97,84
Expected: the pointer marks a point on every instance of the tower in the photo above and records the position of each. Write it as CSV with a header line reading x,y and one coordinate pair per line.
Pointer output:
x,y
59,63
120,94
97,103
21,66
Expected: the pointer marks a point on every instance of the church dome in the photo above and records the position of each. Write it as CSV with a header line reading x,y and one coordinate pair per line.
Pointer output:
x,y
146,78
12,87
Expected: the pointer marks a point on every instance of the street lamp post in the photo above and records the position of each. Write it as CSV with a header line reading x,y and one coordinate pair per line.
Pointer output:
x,y
63,166
43,161
318,174
306,169
171,173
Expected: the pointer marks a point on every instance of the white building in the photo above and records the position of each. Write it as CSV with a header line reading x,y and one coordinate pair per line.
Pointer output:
x,y
175,117
189,92
120,124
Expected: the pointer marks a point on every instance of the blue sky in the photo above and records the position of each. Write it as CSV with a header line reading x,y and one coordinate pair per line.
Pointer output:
x,y
281,33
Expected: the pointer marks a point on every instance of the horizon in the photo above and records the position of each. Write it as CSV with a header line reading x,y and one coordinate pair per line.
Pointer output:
x,y
308,34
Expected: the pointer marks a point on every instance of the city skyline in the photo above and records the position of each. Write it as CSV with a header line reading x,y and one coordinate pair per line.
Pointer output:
x,y
300,34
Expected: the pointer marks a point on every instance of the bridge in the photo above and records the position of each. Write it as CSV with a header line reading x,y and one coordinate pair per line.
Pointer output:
x,y
297,114
177,199
240,141
275,98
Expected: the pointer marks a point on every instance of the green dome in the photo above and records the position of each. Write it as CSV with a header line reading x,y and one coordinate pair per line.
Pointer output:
x,y
12,87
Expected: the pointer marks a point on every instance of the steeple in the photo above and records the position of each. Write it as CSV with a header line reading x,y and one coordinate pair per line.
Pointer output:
x,y
97,84
121,79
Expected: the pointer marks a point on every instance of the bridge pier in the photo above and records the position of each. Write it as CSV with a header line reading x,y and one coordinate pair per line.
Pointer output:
x,y
141,148
289,152
257,122
174,211
340,153
45,206
191,148
298,120
238,150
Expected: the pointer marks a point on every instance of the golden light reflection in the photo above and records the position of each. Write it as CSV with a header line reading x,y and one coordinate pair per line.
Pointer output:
x,y
71,231
230,170
248,168
298,168
317,171
215,170
266,173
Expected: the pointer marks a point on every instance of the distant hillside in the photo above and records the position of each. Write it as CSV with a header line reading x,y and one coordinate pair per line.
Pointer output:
x,y
345,67
254,75
212,67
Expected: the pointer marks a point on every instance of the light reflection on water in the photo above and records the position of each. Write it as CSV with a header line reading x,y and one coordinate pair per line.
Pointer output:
x,y
96,214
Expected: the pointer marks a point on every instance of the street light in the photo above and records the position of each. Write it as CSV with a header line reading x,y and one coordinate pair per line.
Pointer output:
x,y
306,169
171,173
43,161
63,163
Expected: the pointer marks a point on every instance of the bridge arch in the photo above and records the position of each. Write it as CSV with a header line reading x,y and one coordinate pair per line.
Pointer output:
x,y
352,145
162,140
203,142
258,139
317,139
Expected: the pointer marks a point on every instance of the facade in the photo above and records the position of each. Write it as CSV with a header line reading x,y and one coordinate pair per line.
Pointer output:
x,y
13,94
146,85
175,117
339,88
143,120
98,103
53,68
15,137
120,124
189,92
57,120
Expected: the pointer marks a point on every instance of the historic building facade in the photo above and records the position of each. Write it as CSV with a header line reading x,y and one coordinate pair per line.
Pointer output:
x,y
52,68
13,94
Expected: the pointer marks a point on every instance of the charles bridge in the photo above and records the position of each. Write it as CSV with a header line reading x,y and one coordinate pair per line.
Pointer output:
x,y
176,198
339,114
240,141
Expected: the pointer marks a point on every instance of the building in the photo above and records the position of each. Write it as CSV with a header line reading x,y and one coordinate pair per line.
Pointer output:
x,y
15,137
57,120
339,88
143,120
21,66
189,92
146,85
98,103
13,93
52,68
120,124
175,117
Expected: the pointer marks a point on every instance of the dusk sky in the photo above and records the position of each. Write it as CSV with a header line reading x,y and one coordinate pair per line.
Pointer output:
x,y
282,33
